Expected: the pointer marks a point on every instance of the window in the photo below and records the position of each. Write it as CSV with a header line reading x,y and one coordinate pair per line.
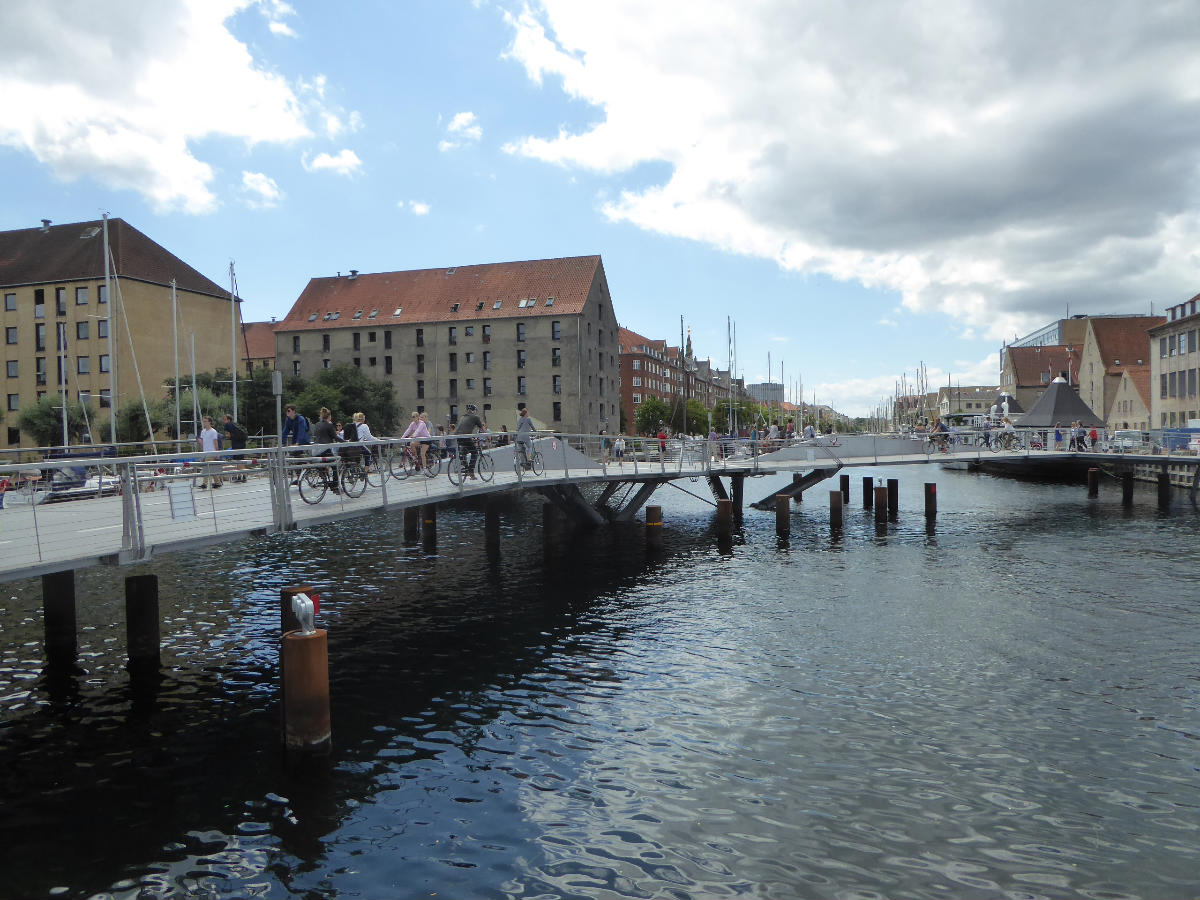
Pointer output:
x,y
556,356
104,363
39,338
487,387
1171,385
10,302
520,331
12,368
83,365
14,435
557,411
453,387
357,340
637,398
81,331
469,331
453,362
470,384
387,340
637,381
1162,386
357,315
521,385
39,367
1162,348
295,367
637,364
371,337
358,362
14,402
373,314
470,357
81,296
487,359
420,363
487,334
452,334
102,293
39,304
496,305
556,330
1191,382
387,365
295,343
105,398
557,384
60,301
10,335
1191,341
420,337
520,359
324,343
420,389
370,361
102,328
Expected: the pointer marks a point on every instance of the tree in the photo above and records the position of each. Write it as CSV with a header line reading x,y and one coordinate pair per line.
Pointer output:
x,y
346,390
132,427
43,421
650,412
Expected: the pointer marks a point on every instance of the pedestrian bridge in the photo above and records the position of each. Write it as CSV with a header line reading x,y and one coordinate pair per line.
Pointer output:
x,y
134,508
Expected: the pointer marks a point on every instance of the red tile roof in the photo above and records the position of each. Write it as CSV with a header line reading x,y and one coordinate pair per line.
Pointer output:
x,y
1140,376
467,293
76,251
258,341
1125,338
1030,363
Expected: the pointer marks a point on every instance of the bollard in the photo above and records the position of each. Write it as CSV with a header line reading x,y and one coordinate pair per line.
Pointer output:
x,y
930,500
287,616
412,524
724,519
491,523
835,509
868,492
1127,488
844,484
881,504
893,497
1164,489
783,517
798,496
1093,482
654,532
141,621
429,527
304,663
58,612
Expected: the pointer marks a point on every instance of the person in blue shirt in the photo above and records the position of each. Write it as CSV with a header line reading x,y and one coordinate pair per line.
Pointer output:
x,y
295,428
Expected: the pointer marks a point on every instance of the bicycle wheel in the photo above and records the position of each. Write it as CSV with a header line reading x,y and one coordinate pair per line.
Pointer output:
x,y
375,470
354,479
485,468
433,463
456,471
928,446
312,485
398,465
535,463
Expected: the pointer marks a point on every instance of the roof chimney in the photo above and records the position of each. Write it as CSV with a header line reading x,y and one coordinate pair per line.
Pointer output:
x,y
45,225
353,274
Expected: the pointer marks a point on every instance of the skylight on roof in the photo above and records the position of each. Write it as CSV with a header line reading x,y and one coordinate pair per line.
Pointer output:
x,y
399,309
327,317
358,315
479,306
549,301
337,315
454,308
496,305
373,314
313,317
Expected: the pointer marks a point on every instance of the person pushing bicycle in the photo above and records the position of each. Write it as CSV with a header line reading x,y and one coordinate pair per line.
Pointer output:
x,y
524,435
468,447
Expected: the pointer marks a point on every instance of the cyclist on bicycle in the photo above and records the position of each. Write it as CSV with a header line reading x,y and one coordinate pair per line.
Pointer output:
x,y
418,433
323,433
468,447
524,435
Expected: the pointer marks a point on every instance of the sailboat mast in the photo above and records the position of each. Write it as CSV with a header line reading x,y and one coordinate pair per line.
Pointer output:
x,y
175,344
62,377
112,353
233,342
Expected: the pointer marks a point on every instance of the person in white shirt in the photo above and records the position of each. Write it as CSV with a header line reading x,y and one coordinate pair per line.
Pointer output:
x,y
210,442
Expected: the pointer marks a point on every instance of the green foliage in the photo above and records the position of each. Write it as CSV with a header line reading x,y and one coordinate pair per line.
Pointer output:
x,y
346,390
211,404
649,413
43,421
132,427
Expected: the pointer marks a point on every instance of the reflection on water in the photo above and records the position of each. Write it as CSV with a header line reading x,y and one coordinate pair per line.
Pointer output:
x,y
1006,705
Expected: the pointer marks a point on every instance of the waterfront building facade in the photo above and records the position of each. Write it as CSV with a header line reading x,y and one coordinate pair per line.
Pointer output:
x,y
57,320
962,402
1110,345
1131,401
1026,372
258,346
1174,360
536,333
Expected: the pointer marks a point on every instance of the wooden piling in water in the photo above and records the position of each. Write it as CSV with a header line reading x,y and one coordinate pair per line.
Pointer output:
x,y
491,523
724,519
429,527
893,497
654,532
1164,488
1127,489
868,492
930,500
881,505
412,524
58,617
736,493
304,664
798,496
835,508
844,484
142,622
1093,482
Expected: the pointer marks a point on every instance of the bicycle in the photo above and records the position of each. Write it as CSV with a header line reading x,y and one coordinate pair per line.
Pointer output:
x,y
527,457
1005,440
408,461
376,467
345,476
458,472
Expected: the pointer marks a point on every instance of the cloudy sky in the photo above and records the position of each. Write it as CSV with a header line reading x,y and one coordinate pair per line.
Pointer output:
x,y
861,187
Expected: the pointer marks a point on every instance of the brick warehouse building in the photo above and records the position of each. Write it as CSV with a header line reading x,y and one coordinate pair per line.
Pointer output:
x,y
537,332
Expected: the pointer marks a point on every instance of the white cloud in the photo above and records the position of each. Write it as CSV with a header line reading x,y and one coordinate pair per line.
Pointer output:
x,y
416,207
275,11
464,128
261,191
345,163
984,165
891,323
120,92
779,339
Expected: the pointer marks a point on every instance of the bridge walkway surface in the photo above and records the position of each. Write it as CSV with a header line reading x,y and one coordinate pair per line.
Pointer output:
x,y
149,505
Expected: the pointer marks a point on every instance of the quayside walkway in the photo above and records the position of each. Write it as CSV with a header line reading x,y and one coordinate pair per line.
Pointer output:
x,y
130,510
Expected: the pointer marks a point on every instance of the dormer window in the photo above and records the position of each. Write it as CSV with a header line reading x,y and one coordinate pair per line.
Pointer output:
x,y
479,306
454,308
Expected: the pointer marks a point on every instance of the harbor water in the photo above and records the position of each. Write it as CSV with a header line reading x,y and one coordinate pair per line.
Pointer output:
x,y
1004,706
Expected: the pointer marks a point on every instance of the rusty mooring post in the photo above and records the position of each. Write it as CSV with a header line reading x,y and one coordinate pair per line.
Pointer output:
x,y
141,622
654,531
412,524
930,500
724,519
868,492
304,663
783,516
835,508
1093,482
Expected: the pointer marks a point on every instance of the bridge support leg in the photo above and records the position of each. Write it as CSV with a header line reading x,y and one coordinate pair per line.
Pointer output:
x,y
893,497
835,508
630,509
724,520
1127,489
1093,482
717,488
287,615
412,524
142,623
58,613
555,525
868,492
844,484
783,516
1164,489
304,667
736,492
654,532
797,494
429,527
